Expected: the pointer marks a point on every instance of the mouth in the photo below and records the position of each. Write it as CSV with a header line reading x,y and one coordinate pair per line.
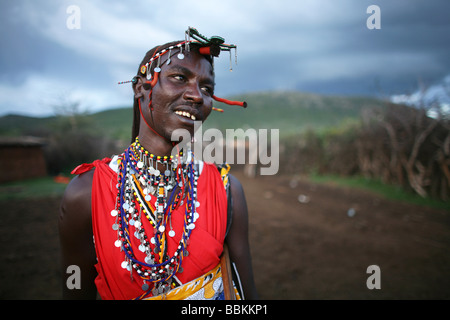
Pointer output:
x,y
186,114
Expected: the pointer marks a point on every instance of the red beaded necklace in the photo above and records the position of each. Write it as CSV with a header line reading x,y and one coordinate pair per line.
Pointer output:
x,y
139,180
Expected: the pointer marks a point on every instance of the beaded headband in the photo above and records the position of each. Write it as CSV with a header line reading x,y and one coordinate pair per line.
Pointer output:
x,y
208,47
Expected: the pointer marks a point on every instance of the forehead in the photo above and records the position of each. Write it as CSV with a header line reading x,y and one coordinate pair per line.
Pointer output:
x,y
193,62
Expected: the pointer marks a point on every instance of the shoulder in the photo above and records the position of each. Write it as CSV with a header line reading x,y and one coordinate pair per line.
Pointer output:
x,y
76,201
80,187
239,203
77,195
232,184
235,185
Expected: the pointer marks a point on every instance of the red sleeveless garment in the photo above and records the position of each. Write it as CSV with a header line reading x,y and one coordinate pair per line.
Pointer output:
x,y
206,241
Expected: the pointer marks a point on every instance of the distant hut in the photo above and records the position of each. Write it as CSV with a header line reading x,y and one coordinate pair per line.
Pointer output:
x,y
21,158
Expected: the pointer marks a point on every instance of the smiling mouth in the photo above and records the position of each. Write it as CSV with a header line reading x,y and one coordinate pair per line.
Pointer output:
x,y
185,114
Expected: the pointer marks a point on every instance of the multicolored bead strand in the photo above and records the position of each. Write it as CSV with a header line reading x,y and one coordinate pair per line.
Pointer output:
x,y
138,179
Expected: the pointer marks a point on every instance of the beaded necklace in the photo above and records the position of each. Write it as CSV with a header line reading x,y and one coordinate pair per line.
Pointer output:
x,y
140,179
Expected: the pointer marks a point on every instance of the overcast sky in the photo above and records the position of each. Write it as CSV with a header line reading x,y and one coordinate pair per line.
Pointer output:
x,y
320,46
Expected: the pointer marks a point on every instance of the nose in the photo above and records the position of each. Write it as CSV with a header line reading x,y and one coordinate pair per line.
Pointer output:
x,y
193,94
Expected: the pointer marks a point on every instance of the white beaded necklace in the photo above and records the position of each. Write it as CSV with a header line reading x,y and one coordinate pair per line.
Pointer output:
x,y
139,181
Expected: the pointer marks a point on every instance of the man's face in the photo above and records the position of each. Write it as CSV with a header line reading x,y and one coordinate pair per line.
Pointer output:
x,y
182,95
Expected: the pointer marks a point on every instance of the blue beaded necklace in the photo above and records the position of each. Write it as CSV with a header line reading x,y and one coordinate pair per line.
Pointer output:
x,y
139,180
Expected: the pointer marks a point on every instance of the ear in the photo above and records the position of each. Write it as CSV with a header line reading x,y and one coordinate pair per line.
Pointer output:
x,y
138,88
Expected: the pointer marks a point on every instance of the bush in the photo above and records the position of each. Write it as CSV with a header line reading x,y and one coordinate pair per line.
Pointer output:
x,y
74,140
398,145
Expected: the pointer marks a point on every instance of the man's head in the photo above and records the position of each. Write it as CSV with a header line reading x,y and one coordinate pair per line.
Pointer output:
x,y
159,99
182,93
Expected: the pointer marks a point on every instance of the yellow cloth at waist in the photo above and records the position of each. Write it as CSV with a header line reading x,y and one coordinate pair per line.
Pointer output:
x,y
206,287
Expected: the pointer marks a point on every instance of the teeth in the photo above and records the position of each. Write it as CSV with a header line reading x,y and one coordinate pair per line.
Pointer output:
x,y
185,114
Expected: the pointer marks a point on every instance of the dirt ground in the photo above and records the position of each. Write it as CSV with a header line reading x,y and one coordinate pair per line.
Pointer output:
x,y
308,242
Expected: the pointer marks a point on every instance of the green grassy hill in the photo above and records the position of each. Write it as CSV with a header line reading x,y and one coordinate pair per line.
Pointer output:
x,y
15,125
290,112
116,122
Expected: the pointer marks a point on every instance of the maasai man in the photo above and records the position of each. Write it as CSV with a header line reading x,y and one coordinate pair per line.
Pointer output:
x,y
151,224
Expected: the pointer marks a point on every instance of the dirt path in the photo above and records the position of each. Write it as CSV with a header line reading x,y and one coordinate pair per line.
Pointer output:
x,y
316,249
301,250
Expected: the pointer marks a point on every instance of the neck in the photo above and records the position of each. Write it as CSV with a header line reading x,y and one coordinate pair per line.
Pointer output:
x,y
155,144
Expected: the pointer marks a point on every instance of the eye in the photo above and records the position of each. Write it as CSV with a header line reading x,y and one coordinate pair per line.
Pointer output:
x,y
179,77
207,90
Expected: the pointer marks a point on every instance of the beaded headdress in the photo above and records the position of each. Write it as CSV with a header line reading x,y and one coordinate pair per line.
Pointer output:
x,y
208,46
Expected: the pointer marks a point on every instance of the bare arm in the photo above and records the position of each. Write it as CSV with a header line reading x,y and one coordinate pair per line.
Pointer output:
x,y
237,240
76,238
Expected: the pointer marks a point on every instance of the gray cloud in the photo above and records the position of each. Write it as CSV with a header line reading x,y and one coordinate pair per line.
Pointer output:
x,y
321,46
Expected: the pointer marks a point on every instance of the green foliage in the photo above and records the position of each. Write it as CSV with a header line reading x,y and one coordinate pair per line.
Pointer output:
x,y
318,133
31,189
290,112
15,125
74,136
70,138
115,123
